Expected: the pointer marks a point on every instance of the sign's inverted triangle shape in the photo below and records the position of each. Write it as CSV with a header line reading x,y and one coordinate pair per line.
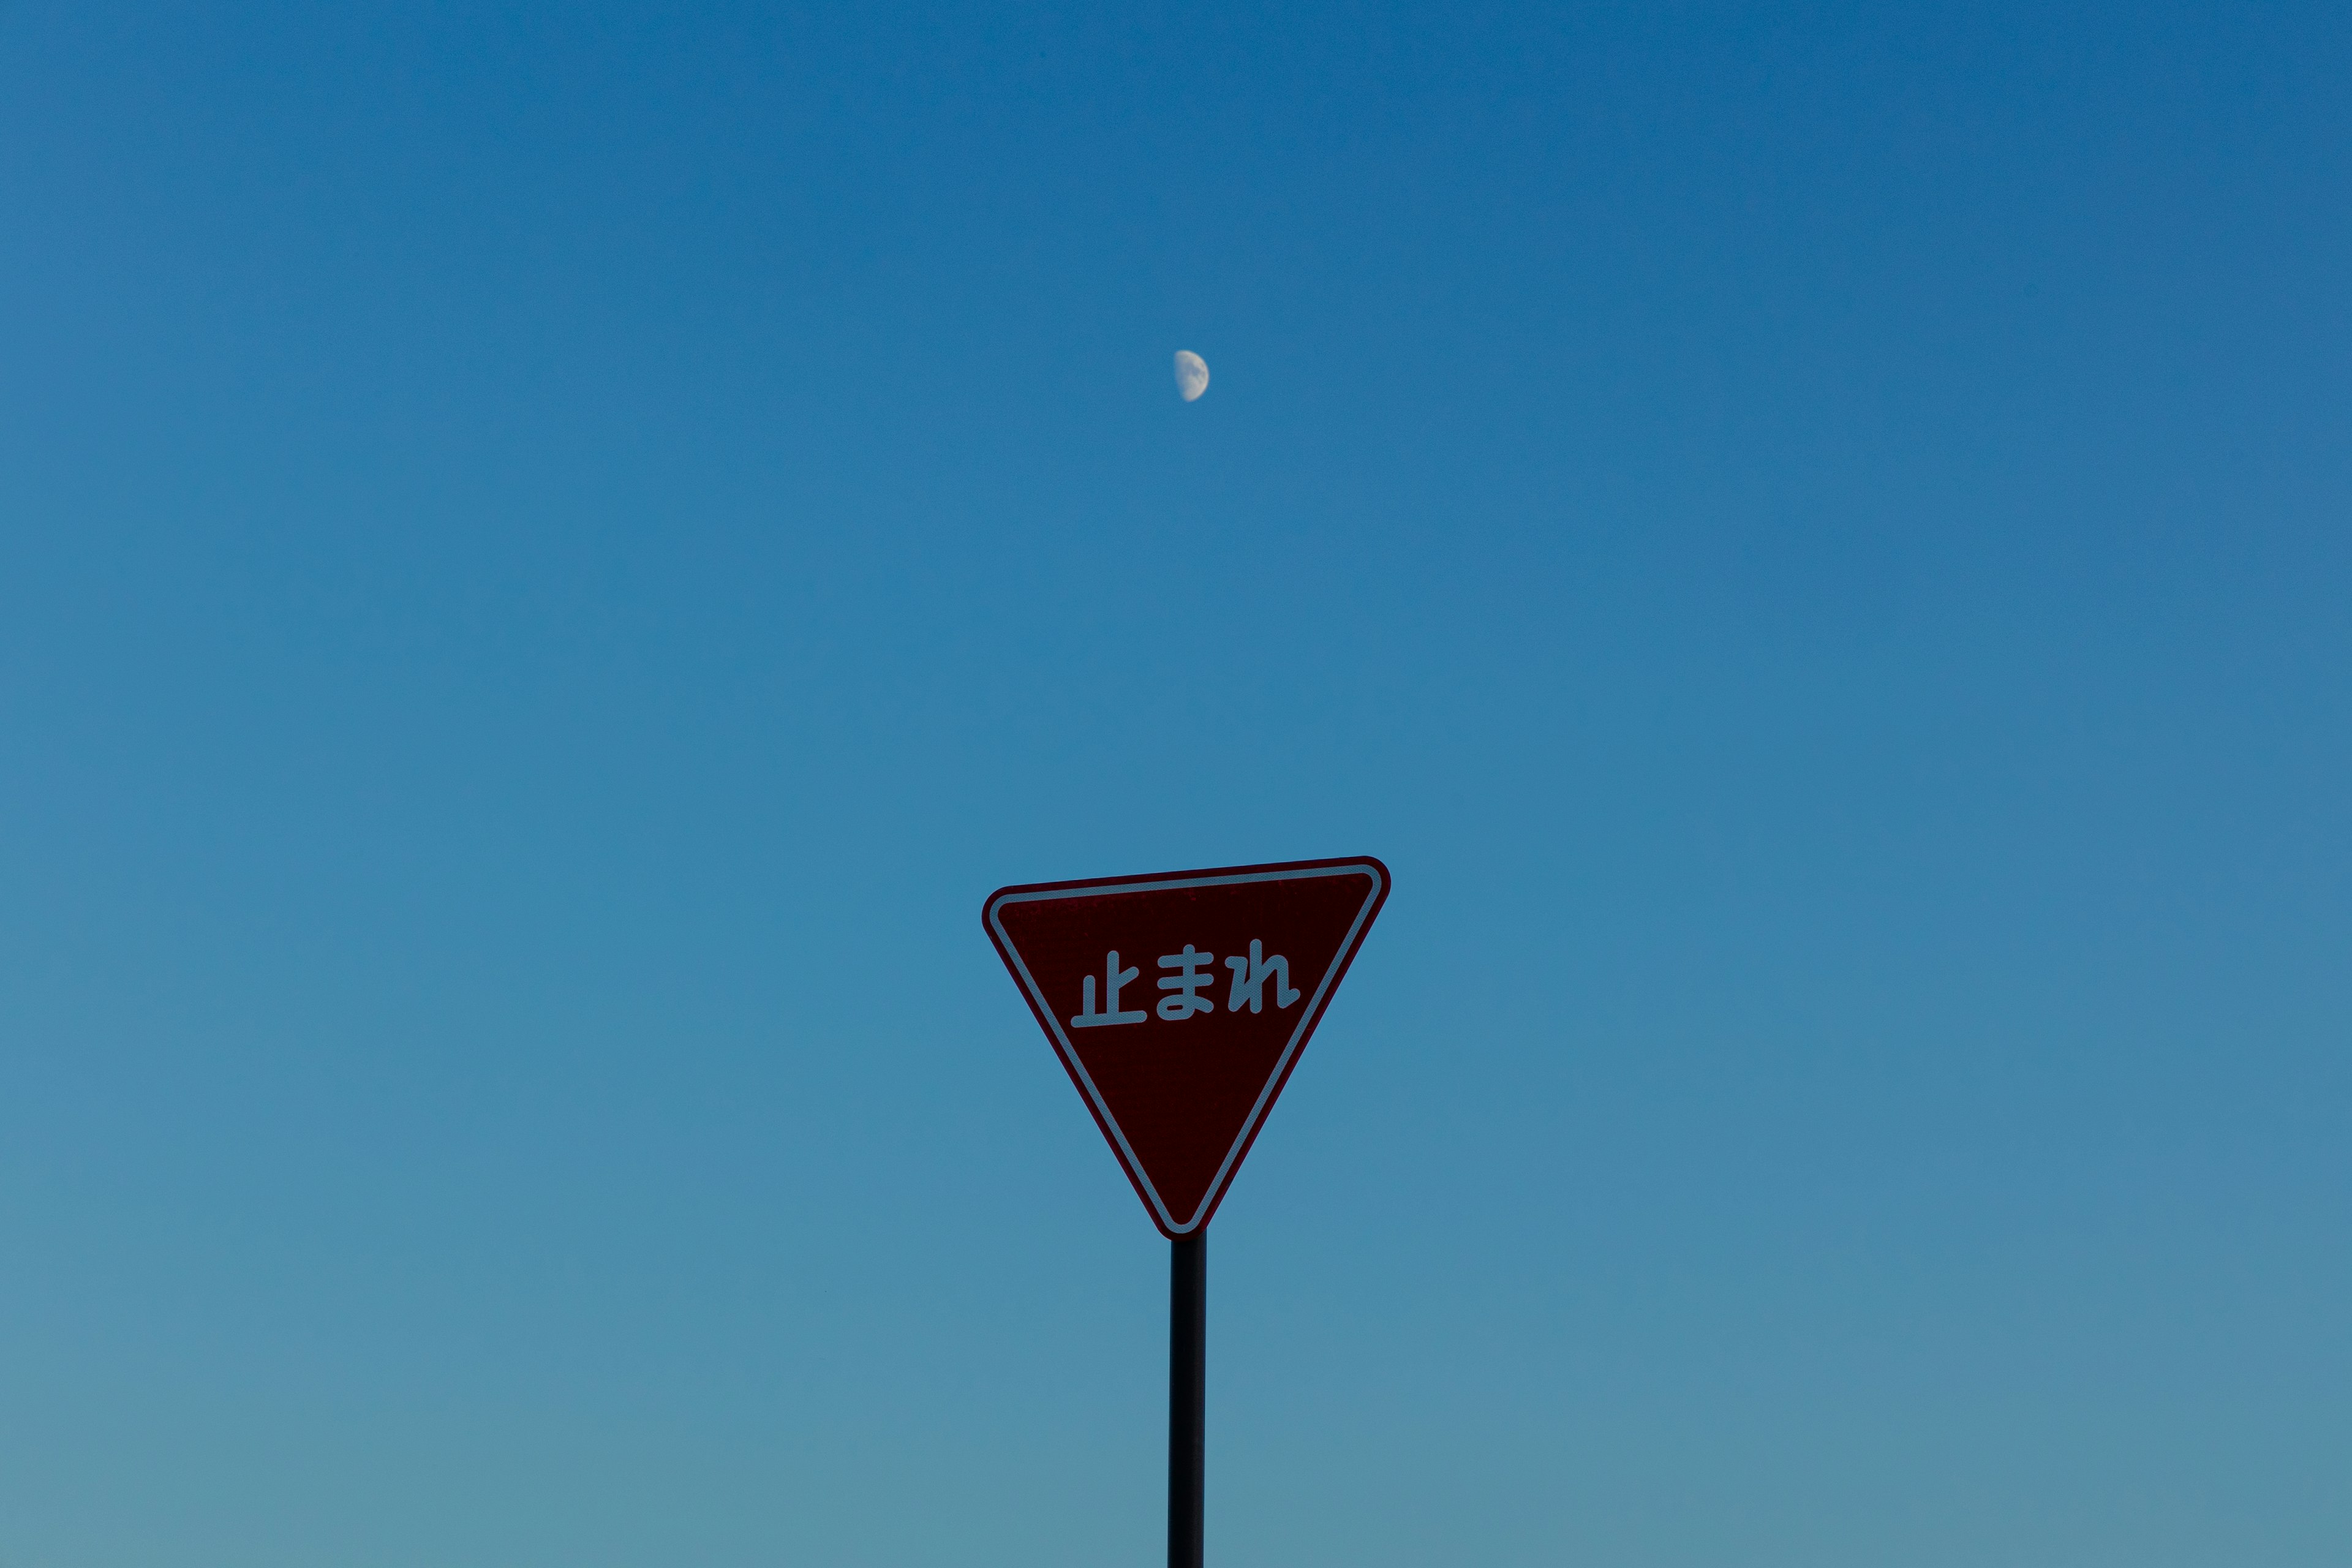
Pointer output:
x,y
1180,1002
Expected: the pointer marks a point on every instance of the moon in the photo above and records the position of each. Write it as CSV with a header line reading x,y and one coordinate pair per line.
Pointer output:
x,y
1192,375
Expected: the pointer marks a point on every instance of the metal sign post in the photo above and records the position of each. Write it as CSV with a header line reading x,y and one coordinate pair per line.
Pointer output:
x,y
1188,1388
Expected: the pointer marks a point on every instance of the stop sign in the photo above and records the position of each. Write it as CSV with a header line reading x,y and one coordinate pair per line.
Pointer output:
x,y
1180,1002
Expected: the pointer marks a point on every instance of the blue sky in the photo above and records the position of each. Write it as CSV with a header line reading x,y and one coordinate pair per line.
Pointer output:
x,y
550,556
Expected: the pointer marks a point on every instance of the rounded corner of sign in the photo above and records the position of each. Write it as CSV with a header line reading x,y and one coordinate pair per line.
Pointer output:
x,y
1153,1204
1201,1216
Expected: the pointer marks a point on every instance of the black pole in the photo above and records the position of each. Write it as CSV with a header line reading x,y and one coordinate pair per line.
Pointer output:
x,y
1187,1384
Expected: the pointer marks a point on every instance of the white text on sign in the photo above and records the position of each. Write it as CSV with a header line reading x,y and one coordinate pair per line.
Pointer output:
x,y
1190,972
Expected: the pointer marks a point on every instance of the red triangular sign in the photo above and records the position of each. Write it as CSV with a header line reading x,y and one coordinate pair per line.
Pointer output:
x,y
1180,1003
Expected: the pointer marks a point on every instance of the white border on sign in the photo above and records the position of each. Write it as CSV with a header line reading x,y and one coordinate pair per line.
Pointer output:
x,y
1053,1017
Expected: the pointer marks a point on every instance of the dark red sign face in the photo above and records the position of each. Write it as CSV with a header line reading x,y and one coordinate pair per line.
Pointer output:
x,y
1181,1002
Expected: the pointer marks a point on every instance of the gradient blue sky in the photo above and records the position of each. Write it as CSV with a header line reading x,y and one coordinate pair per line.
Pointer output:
x,y
549,556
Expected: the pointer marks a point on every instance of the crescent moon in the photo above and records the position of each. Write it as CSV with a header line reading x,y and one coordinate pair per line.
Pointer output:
x,y
1192,375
